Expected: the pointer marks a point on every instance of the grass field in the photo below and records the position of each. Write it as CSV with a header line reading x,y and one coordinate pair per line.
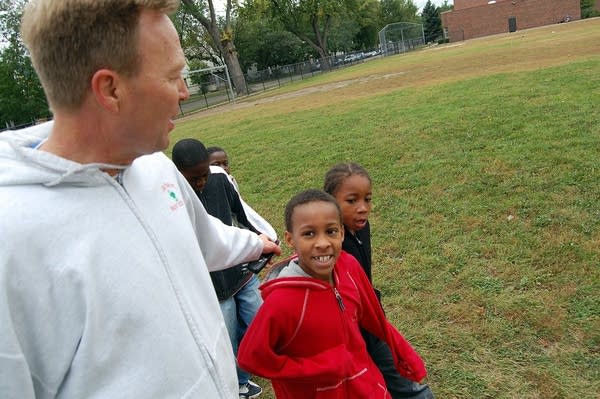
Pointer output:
x,y
486,223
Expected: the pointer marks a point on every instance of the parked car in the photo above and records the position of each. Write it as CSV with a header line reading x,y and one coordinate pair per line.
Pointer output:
x,y
372,53
354,57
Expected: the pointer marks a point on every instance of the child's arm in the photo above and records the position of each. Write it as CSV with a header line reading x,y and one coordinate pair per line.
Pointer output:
x,y
262,350
408,362
258,221
253,217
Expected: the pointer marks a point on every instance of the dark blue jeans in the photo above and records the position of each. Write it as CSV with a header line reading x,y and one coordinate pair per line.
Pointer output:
x,y
397,385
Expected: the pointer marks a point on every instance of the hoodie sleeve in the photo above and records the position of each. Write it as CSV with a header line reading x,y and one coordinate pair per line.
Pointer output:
x,y
274,325
222,246
372,318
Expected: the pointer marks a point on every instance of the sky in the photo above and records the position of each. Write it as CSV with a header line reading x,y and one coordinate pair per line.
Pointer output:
x,y
421,3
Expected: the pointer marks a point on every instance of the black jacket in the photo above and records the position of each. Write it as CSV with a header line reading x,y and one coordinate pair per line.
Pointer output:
x,y
359,245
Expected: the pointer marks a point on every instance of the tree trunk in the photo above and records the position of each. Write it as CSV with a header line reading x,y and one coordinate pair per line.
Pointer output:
x,y
233,65
223,43
325,60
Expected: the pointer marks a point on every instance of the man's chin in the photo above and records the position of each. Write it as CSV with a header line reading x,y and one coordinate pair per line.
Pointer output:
x,y
163,144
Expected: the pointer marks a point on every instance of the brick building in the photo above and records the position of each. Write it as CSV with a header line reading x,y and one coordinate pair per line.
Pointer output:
x,y
476,18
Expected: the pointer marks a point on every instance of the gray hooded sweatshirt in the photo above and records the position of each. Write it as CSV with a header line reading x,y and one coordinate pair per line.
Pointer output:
x,y
104,285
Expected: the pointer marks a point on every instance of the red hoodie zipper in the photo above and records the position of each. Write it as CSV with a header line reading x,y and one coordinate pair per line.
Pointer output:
x,y
339,299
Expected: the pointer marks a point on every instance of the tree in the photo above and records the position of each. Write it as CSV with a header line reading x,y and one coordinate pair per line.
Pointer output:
x,y
432,23
344,33
267,46
262,40
311,20
196,42
398,11
368,21
221,36
588,9
445,7
22,98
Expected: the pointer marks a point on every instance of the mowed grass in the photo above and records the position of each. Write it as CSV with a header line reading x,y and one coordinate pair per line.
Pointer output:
x,y
484,157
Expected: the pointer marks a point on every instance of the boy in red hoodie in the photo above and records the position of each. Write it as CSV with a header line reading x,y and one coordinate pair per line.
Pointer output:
x,y
306,336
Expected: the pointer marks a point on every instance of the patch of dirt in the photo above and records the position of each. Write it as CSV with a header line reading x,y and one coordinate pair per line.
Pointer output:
x,y
323,88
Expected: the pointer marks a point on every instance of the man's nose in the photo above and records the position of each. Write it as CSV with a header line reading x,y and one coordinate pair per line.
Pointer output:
x,y
184,93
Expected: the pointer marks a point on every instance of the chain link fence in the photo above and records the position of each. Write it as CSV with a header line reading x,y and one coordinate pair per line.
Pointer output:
x,y
211,87
401,37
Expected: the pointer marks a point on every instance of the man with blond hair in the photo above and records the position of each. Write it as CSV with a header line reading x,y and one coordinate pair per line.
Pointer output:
x,y
104,284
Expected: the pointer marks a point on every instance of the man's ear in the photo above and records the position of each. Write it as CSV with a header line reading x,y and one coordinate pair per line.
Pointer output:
x,y
105,86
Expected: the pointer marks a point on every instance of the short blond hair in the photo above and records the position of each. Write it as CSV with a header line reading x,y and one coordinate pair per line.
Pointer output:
x,y
69,40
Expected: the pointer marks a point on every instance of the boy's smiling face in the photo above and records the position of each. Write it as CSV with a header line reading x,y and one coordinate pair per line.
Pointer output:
x,y
317,235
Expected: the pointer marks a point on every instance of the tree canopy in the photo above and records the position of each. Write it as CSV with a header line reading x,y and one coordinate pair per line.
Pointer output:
x,y
311,20
588,9
22,99
220,33
263,41
393,11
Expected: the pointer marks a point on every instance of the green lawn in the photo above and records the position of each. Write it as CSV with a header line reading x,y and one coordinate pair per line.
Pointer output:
x,y
486,223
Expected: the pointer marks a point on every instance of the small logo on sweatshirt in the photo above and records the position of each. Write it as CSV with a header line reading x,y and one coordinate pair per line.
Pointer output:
x,y
169,190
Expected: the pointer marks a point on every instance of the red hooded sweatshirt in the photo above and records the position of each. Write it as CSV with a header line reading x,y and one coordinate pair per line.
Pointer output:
x,y
306,337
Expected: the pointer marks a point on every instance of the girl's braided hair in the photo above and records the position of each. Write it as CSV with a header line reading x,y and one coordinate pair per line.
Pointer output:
x,y
340,172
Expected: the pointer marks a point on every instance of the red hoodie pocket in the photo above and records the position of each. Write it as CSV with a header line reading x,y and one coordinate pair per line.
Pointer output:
x,y
364,385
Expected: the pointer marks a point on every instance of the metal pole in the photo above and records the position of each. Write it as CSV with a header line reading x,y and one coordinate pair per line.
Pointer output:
x,y
402,35
230,91
229,82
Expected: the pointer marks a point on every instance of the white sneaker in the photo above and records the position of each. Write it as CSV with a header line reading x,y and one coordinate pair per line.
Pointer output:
x,y
250,390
